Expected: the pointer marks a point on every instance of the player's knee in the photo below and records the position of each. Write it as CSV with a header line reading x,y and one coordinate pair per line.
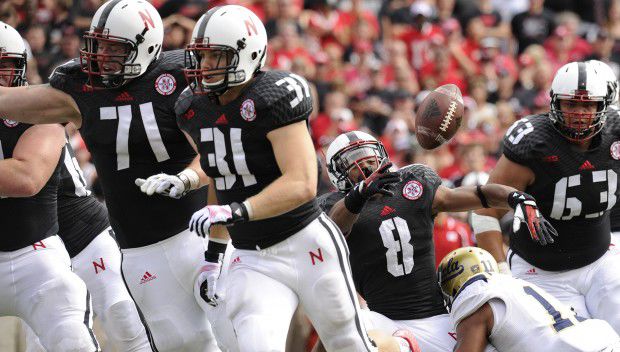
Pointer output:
x,y
254,334
122,322
335,299
69,336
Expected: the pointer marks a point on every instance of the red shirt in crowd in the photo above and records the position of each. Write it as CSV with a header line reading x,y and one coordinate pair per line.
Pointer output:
x,y
418,44
448,235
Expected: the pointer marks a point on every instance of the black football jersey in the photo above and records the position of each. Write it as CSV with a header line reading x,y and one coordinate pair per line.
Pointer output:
x,y
132,133
81,217
391,247
235,152
614,216
573,189
26,220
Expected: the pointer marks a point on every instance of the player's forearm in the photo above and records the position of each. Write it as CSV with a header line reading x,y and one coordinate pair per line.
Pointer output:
x,y
343,217
18,180
281,196
38,104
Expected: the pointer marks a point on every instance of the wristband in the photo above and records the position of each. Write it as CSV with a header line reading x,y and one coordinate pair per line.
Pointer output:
x,y
354,202
483,199
190,179
248,209
239,212
215,250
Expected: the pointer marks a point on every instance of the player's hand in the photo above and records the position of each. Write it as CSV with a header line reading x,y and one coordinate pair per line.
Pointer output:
x,y
205,284
378,182
215,214
164,184
526,211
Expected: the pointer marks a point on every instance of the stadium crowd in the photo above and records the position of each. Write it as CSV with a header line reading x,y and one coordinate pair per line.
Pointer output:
x,y
372,62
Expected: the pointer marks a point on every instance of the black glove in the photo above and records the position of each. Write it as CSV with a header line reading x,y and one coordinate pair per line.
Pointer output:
x,y
526,211
377,183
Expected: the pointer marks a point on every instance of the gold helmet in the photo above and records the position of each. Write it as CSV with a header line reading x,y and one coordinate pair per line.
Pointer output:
x,y
460,265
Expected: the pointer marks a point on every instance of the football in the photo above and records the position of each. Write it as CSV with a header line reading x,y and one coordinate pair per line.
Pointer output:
x,y
439,116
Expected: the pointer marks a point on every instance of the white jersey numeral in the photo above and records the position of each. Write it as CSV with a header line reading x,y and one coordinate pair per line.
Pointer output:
x,y
561,203
216,159
298,84
124,115
525,127
393,245
77,176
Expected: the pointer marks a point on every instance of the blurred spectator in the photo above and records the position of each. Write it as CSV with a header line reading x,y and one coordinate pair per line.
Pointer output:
x,y
83,11
68,50
450,234
602,50
418,36
565,45
177,31
542,75
532,26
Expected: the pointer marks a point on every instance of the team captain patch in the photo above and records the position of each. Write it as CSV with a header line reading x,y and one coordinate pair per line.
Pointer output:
x,y
413,190
165,84
248,111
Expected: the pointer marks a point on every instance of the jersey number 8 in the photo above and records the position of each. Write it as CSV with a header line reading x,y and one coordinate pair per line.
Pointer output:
x,y
397,244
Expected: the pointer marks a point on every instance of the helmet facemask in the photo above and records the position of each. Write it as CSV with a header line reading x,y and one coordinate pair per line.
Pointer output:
x,y
578,127
15,75
122,67
363,156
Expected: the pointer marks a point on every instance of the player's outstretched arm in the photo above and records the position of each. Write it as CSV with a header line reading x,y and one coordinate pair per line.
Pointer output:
x,y
34,159
485,222
38,104
472,332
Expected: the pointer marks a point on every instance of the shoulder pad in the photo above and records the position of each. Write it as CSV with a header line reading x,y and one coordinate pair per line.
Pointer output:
x,y
183,102
65,72
420,172
613,118
326,201
474,294
171,60
526,138
286,98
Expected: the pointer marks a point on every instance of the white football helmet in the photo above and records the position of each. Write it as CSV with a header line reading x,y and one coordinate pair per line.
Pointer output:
x,y
346,152
612,80
133,23
12,47
235,39
579,82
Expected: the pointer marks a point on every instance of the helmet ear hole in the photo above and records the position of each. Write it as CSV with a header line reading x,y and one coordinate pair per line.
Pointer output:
x,y
254,55
150,49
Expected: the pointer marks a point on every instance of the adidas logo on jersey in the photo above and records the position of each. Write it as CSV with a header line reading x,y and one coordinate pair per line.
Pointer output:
x,y
124,96
147,277
387,211
222,120
586,166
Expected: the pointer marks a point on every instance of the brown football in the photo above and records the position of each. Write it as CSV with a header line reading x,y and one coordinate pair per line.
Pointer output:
x,y
439,116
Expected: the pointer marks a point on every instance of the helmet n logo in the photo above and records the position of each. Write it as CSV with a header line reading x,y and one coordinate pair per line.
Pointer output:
x,y
250,26
147,19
